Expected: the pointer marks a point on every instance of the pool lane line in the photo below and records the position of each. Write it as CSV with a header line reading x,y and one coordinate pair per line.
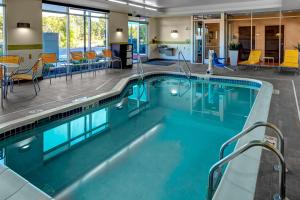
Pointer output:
x,y
296,99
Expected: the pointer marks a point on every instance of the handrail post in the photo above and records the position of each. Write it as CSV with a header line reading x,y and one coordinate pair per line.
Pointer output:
x,y
239,151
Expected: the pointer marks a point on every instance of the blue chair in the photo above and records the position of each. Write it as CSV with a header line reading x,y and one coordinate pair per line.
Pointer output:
x,y
217,62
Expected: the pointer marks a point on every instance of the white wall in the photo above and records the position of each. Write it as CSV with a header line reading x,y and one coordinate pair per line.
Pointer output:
x,y
162,27
118,20
24,42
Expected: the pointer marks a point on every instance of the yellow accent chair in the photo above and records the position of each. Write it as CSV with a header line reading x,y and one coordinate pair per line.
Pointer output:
x,y
254,58
291,60
28,75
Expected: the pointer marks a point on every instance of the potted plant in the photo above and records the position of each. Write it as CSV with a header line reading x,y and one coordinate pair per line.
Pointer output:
x,y
234,53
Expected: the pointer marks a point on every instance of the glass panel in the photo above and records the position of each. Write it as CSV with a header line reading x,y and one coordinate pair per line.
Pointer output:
x,y
94,14
212,38
198,41
267,35
99,118
143,35
98,34
77,33
55,8
239,31
1,31
55,137
77,127
55,34
133,35
76,11
291,22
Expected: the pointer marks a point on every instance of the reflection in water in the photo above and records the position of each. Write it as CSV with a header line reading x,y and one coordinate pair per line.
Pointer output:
x,y
188,121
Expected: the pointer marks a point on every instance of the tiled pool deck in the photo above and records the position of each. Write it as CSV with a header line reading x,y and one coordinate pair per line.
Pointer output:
x,y
283,111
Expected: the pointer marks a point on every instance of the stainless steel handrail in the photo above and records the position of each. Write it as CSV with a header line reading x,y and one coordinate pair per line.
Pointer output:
x,y
248,130
188,73
181,94
267,145
140,68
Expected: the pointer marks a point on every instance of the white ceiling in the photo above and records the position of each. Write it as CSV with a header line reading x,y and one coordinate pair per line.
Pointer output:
x,y
189,7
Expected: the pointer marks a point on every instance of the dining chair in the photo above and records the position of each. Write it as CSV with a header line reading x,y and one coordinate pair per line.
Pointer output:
x,y
77,58
29,75
91,57
3,83
108,55
50,63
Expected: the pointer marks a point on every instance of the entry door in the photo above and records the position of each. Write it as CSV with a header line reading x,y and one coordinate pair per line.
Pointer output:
x,y
212,39
272,35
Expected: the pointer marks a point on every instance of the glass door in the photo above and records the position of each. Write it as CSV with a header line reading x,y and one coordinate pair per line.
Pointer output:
x,y
133,35
212,39
138,37
143,38
198,42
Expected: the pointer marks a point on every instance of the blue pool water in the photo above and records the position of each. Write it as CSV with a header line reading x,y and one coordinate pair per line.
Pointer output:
x,y
157,142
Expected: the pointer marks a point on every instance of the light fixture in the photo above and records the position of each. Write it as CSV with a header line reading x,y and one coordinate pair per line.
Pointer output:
x,y
135,5
116,1
119,30
174,92
23,25
174,33
149,8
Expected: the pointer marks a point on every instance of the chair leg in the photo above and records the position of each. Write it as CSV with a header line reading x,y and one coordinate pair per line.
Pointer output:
x,y
12,86
2,93
34,87
37,82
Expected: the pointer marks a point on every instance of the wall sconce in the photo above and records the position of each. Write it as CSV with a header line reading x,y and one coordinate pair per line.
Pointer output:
x,y
119,30
23,25
174,33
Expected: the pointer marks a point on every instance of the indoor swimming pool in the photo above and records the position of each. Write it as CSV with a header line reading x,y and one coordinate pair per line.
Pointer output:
x,y
157,141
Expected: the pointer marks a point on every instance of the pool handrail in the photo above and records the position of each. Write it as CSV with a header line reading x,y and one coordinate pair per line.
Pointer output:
x,y
188,73
140,68
239,151
248,130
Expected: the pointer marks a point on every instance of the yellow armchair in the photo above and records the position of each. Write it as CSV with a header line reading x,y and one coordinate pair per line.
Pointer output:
x,y
254,58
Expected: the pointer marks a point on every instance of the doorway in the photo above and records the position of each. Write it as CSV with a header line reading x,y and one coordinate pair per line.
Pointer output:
x,y
212,39
206,36
272,38
245,41
138,37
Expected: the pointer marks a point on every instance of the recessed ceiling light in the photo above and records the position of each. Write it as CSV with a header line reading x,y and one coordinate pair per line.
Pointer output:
x,y
135,5
116,1
149,8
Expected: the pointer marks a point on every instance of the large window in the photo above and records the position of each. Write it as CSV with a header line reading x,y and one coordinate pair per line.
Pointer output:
x,y
270,32
68,29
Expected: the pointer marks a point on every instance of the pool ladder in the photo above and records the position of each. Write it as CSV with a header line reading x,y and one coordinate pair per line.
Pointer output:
x,y
187,69
140,68
265,144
